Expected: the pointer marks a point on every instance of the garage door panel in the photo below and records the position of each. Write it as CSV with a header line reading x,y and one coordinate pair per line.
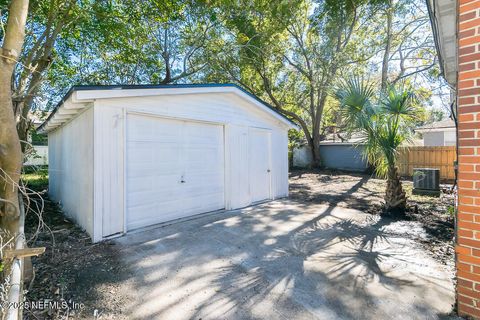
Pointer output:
x,y
208,180
167,131
198,132
159,168
203,190
142,130
153,197
200,168
203,203
141,152
162,152
148,214
141,172
140,157
165,183
140,184
138,129
152,162
140,219
203,156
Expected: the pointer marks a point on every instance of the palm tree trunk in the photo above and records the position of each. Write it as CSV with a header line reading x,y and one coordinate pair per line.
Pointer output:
x,y
395,199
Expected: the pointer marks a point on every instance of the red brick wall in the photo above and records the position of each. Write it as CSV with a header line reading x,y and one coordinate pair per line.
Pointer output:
x,y
468,219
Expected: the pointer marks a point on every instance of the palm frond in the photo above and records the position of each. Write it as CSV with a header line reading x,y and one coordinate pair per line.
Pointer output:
x,y
355,97
399,101
386,125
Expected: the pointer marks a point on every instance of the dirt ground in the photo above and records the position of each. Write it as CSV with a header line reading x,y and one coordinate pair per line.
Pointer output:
x,y
77,271
73,270
362,192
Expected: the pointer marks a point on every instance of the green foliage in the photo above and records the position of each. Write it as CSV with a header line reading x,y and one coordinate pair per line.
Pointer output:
x,y
131,42
385,120
39,139
430,115
291,53
35,178
451,211
295,139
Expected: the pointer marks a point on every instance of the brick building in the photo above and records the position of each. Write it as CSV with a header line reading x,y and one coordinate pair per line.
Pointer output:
x,y
456,27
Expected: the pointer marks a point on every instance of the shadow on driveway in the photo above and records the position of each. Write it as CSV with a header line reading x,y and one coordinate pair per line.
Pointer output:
x,y
286,259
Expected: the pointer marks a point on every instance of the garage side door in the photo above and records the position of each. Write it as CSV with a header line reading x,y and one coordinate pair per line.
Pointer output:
x,y
259,164
174,169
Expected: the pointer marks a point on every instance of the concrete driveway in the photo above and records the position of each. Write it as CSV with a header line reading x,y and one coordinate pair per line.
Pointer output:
x,y
285,260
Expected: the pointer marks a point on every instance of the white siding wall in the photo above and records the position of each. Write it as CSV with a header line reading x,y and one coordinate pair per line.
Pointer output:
x,y
71,168
224,108
433,139
439,138
75,152
450,138
109,172
280,163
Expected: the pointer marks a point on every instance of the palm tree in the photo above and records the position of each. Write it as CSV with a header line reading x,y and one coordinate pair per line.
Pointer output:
x,y
384,122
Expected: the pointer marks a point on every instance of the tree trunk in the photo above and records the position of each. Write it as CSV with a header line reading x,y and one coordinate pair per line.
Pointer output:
x,y
24,123
317,121
315,154
10,150
395,199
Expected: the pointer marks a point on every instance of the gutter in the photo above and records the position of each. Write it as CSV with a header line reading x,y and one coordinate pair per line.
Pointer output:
x,y
436,38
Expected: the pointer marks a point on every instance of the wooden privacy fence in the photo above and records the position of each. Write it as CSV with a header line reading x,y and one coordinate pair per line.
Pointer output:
x,y
428,157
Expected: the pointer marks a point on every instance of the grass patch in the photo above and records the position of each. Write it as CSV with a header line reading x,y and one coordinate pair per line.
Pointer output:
x,y
35,179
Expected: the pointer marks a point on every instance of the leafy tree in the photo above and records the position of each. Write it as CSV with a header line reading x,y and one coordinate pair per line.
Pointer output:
x,y
71,42
385,123
291,54
47,22
403,31
138,42
434,115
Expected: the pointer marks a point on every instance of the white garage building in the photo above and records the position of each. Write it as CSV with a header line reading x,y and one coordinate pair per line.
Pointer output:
x,y
127,157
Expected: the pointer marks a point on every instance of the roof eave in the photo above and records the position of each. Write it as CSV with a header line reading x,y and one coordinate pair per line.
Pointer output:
x,y
445,129
78,97
443,17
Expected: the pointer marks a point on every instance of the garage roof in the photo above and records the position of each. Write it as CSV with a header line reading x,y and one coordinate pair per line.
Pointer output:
x,y
78,97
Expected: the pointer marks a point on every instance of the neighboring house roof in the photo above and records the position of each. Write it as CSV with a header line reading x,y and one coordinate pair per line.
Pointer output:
x,y
86,94
443,15
333,138
358,140
444,125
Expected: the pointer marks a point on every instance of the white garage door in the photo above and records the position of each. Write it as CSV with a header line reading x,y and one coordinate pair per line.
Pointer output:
x,y
174,169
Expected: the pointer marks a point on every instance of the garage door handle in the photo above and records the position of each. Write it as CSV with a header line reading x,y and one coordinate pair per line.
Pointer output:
x,y
183,181
268,170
